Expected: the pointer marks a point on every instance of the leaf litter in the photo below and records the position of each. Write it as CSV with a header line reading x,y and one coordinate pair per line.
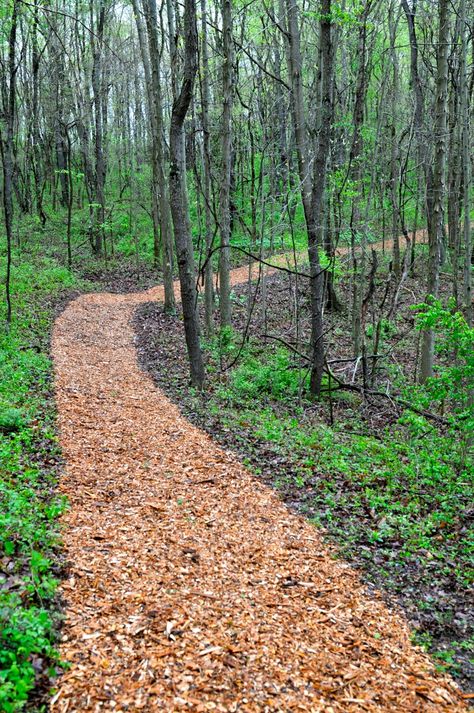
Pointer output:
x,y
191,586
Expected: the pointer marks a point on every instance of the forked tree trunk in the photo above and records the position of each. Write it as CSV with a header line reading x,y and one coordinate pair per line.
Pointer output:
x,y
160,206
312,179
178,200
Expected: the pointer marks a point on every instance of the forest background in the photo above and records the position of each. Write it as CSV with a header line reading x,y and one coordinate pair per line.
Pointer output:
x,y
145,141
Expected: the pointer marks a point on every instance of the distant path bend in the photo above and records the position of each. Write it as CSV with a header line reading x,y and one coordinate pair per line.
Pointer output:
x,y
191,586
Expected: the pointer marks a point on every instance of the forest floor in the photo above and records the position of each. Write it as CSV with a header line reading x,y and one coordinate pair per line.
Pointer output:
x,y
349,466
191,586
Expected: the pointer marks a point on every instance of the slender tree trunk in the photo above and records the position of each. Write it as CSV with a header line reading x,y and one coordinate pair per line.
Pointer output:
x,y
6,144
225,218
312,178
436,224
466,169
454,172
35,135
319,183
355,161
171,12
59,138
394,158
96,82
160,206
70,197
208,287
179,207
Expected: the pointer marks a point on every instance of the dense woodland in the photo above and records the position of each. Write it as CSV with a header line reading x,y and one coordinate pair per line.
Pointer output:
x,y
144,142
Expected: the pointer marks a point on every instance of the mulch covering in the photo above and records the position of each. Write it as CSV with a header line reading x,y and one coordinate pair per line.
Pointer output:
x,y
191,586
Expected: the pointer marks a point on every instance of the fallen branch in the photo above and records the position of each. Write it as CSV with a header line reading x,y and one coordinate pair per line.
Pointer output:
x,y
341,385
258,259
286,344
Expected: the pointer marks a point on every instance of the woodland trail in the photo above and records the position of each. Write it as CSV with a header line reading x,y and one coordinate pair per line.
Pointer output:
x,y
191,586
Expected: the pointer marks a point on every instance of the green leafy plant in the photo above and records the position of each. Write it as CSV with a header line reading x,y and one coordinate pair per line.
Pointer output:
x,y
29,533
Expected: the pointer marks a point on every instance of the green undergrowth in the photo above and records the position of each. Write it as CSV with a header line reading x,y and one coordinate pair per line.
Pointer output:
x,y
29,461
398,500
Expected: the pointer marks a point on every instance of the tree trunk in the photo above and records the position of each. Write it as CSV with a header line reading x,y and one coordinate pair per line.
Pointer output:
x,y
312,179
6,144
35,134
160,206
436,223
96,82
208,287
225,223
178,193
466,168
355,170
394,153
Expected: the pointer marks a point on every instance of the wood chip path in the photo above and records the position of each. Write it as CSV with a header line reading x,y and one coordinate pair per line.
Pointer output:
x,y
191,586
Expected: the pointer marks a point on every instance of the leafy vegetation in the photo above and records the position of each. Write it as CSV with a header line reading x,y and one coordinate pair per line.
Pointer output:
x,y
396,499
29,505
411,478
334,126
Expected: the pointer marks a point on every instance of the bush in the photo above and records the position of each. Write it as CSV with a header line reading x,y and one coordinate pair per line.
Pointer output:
x,y
274,375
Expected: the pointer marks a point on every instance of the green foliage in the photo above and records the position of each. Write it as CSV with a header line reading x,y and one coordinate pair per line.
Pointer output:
x,y
454,377
273,373
277,376
405,490
387,329
11,420
25,632
29,535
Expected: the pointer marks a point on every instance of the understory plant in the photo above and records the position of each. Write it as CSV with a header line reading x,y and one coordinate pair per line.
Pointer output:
x,y
397,500
29,463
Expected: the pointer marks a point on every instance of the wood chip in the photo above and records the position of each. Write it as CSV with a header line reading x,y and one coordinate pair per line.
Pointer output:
x,y
151,628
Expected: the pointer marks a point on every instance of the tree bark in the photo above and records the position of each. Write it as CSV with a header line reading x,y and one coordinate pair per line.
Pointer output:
x,y
225,218
312,178
179,207
100,170
160,206
466,168
6,144
436,223
208,286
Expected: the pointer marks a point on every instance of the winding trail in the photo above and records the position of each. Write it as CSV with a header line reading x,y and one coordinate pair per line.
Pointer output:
x,y
191,586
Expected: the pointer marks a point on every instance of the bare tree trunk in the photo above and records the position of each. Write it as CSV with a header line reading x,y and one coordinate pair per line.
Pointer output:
x,y
355,163
225,224
6,145
160,206
208,287
35,135
70,197
171,12
179,207
454,170
436,224
420,143
96,81
312,178
466,168
394,172
59,138
319,182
